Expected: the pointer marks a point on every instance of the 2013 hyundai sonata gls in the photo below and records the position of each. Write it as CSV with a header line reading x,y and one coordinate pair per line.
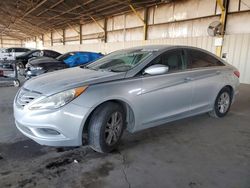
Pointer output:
x,y
131,89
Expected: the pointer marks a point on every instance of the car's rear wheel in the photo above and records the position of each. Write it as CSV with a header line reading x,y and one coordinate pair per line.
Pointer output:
x,y
106,127
222,103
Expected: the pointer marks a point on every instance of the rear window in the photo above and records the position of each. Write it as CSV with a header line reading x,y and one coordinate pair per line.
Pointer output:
x,y
198,59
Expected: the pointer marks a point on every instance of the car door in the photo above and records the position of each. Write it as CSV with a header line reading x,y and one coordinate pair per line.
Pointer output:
x,y
168,96
205,76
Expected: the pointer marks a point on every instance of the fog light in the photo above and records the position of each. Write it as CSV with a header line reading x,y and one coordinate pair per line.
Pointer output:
x,y
49,131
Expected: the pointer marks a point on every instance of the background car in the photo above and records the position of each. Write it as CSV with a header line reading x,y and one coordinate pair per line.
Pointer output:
x,y
131,89
12,53
39,66
22,60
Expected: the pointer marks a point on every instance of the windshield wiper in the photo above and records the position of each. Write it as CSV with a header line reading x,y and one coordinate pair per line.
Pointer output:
x,y
87,67
83,66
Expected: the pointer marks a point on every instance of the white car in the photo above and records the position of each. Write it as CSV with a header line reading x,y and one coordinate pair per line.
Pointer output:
x,y
132,89
11,53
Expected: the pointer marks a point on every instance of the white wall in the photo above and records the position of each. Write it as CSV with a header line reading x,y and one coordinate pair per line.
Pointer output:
x,y
6,42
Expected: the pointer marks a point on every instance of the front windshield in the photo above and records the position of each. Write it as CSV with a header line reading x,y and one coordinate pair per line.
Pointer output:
x,y
65,56
120,61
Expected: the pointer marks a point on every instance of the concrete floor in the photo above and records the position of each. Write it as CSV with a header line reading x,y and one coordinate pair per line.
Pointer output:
x,y
194,152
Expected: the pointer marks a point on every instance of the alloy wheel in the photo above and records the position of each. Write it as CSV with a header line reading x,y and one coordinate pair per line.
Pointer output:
x,y
224,102
113,128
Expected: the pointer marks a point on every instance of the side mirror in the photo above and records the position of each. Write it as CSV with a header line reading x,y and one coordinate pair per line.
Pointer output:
x,y
156,69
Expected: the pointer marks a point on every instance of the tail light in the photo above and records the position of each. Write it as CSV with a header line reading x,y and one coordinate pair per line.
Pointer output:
x,y
237,73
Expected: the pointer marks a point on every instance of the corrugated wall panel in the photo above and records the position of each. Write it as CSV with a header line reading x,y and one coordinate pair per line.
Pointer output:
x,y
237,48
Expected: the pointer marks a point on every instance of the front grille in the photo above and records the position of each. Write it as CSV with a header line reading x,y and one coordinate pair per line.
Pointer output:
x,y
25,96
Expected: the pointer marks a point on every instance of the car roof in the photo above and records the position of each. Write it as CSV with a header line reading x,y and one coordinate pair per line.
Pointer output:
x,y
161,48
82,52
18,48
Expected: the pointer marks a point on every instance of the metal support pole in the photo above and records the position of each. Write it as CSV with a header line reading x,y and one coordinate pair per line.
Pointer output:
x,y
36,41
223,19
51,38
63,37
43,40
105,30
1,42
145,24
144,21
80,33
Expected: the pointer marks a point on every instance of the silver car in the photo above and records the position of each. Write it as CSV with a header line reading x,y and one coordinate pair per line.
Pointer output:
x,y
131,89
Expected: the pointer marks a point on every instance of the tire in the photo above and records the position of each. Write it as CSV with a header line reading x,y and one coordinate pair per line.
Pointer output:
x,y
106,127
221,107
20,68
20,65
16,83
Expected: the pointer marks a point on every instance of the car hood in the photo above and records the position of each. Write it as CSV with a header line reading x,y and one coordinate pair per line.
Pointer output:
x,y
39,60
57,81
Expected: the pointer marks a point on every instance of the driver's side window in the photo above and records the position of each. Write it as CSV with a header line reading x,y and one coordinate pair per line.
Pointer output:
x,y
173,59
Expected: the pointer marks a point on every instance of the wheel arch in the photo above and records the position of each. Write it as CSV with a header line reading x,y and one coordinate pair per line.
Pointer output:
x,y
130,116
221,88
231,90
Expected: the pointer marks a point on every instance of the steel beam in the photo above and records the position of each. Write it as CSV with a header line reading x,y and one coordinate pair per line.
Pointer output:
x,y
43,40
105,30
223,4
51,38
80,38
143,20
63,36
31,10
145,25
97,23
73,28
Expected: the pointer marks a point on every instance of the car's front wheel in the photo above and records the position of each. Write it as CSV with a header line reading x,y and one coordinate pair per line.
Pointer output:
x,y
106,127
20,68
222,103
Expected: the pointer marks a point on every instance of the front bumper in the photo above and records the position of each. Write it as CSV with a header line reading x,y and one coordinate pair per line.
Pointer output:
x,y
61,127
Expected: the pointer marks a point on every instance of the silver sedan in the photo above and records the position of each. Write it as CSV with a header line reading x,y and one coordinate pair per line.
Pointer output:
x,y
131,89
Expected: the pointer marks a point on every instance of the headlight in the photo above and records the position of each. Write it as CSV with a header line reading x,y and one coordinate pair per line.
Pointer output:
x,y
58,100
36,68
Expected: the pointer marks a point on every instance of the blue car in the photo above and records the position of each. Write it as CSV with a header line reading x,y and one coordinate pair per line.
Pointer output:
x,y
73,59
42,65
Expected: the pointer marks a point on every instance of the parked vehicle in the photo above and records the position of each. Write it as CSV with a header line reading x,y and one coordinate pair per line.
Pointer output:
x,y
2,50
71,59
8,73
23,59
131,89
12,53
